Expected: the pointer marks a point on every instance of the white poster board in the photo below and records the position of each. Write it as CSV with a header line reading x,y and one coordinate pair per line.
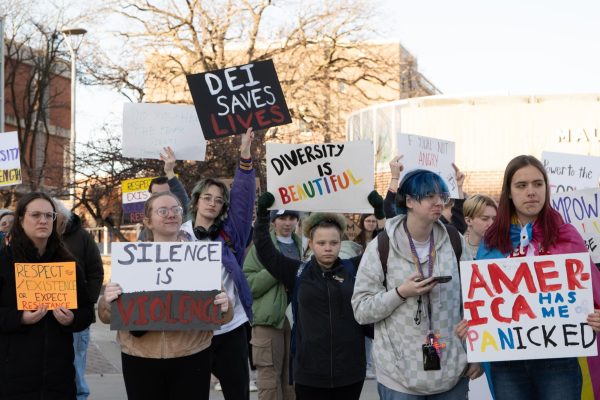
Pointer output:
x,y
334,177
153,266
436,155
567,172
10,159
528,307
148,128
580,209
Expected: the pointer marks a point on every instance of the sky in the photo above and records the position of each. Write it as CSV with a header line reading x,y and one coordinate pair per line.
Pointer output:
x,y
500,47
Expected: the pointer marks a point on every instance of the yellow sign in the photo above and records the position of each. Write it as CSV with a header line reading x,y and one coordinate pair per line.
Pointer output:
x,y
52,285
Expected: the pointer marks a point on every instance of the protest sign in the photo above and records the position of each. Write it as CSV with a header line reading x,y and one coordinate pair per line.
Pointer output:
x,y
148,128
436,155
528,307
567,172
229,101
10,160
134,193
52,285
580,209
166,286
335,177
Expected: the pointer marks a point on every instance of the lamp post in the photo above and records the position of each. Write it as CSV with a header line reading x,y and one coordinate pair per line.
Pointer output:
x,y
73,38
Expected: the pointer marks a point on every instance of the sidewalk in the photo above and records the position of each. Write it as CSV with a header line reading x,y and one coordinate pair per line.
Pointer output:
x,y
105,379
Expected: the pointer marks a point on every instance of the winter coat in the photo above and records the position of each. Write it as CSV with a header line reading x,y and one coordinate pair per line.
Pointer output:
x,y
329,343
397,348
36,361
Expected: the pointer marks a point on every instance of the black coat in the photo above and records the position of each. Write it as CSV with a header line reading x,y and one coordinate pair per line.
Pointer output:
x,y
330,345
36,361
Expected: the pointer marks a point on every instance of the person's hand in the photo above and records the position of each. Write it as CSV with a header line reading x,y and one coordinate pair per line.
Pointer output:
x,y
265,201
460,181
64,316
112,291
593,320
461,329
32,317
474,371
222,300
376,201
396,169
168,157
246,143
415,285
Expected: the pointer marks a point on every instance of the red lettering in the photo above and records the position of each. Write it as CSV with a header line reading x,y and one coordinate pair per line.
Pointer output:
x,y
284,196
543,276
157,303
141,302
259,115
521,307
294,195
523,272
182,300
472,306
332,180
244,122
477,282
574,270
216,128
278,115
495,308
200,309
170,319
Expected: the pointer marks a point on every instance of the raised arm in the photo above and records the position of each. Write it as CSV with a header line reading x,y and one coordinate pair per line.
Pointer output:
x,y
175,186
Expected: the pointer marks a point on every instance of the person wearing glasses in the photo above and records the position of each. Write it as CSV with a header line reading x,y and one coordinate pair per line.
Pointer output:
x,y
163,364
219,214
415,351
36,346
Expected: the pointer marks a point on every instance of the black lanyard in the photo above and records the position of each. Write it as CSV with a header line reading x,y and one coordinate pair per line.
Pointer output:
x,y
430,263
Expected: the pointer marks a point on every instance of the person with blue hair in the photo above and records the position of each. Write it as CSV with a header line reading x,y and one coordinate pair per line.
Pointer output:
x,y
415,302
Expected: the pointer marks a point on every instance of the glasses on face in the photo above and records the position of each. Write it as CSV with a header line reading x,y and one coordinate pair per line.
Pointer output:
x,y
164,211
433,197
207,198
38,215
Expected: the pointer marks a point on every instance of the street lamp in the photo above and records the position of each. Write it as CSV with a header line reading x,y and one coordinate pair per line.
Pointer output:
x,y
73,38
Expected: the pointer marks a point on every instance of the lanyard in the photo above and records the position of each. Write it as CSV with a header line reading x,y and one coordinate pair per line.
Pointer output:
x,y
430,263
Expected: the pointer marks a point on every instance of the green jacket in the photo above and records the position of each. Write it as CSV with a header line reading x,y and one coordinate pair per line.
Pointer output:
x,y
270,296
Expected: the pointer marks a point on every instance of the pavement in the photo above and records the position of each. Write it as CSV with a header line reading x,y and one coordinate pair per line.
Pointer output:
x,y
104,375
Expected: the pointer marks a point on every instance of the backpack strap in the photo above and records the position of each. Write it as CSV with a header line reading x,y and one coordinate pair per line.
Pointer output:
x,y
227,240
294,302
455,241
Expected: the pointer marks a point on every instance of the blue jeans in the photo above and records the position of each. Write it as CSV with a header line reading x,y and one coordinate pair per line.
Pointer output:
x,y
458,392
550,379
80,345
368,354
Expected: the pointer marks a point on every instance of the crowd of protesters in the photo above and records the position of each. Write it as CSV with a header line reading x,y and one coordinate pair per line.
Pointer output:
x,y
315,313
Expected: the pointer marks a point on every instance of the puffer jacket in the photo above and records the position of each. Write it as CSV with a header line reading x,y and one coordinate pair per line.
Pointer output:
x,y
397,349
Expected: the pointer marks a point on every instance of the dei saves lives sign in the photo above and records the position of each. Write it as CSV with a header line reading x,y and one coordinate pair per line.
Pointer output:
x,y
229,101
528,307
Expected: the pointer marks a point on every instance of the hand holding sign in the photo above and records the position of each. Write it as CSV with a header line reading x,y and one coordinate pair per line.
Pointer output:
x,y
169,159
32,317
593,320
222,300
460,181
64,316
112,292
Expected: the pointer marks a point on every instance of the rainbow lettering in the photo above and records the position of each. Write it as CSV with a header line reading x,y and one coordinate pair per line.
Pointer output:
x,y
320,186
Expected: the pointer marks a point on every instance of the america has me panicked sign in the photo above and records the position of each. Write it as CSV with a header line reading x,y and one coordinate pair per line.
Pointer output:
x,y
166,286
229,101
528,307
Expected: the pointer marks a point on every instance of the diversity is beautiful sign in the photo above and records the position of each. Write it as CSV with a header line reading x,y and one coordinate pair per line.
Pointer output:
x,y
10,159
335,177
528,307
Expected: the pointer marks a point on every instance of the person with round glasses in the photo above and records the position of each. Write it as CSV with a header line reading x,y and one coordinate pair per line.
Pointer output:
x,y
176,363
36,346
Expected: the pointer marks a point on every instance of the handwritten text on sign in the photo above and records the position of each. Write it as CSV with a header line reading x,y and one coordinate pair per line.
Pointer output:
x,y
334,177
166,286
52,285
10,160
528,308
229,101
580,209
436,155
567,172
148,128
134,194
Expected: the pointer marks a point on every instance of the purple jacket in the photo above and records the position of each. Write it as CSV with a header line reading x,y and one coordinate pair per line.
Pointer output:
x,y
237,227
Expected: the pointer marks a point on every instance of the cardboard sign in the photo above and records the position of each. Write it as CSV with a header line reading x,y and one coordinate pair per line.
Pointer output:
x,y
567,172
335,177
134,193
52,285
10,160
580,208
166,286
436,155
229,101
528,307
148,128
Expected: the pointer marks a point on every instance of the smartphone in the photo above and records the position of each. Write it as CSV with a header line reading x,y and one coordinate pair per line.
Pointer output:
x,y
442,279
